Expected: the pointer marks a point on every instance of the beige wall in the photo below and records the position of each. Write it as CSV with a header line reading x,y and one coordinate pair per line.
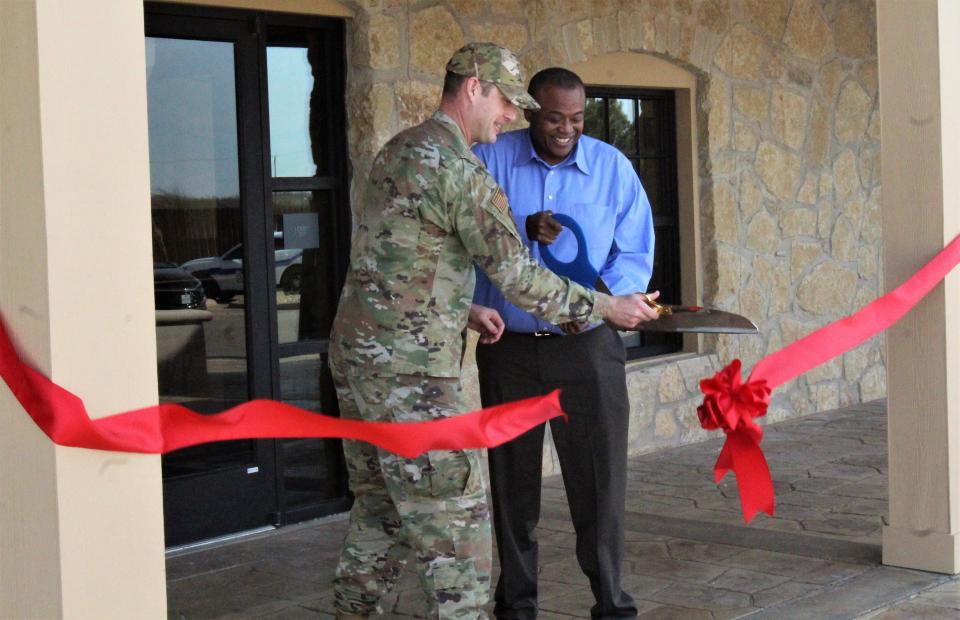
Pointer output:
x,y
81,531
921,210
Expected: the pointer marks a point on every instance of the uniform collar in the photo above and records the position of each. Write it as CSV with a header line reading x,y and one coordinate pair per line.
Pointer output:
x,y
526,154
445,119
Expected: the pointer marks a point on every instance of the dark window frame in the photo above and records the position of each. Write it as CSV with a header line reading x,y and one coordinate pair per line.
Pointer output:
x,y
666,221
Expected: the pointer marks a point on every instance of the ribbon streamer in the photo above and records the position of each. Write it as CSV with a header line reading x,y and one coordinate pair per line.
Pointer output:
x,y
728,405
731,406
163,428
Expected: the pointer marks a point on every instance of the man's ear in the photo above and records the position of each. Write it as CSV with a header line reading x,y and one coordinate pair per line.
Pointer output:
x,y
529,114
472,86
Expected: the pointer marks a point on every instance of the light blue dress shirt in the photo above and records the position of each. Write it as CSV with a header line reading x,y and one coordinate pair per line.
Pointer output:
x,y
598,187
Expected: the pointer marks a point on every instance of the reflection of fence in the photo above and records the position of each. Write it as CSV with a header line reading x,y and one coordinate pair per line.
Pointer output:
x,y
185,227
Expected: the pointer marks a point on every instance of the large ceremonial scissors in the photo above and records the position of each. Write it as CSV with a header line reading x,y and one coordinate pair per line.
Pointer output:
x,y
673,318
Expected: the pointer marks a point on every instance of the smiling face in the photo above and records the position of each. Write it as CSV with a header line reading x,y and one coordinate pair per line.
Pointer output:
x,y
556,127
492,110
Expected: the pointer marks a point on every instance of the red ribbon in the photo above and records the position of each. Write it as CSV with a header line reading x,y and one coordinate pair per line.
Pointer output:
x,y
167,427
728,404
732,406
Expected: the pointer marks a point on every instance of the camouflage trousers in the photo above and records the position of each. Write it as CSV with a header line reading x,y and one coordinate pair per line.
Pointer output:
x,y
435,504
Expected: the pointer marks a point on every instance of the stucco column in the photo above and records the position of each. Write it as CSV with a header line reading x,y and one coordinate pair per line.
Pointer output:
x,y
920,127
81,531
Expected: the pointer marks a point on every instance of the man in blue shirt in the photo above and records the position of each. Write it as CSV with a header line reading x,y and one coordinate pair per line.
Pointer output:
x,y
551,168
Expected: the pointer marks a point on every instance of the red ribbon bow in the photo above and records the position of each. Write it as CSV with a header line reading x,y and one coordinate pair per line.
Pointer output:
x,y
731,406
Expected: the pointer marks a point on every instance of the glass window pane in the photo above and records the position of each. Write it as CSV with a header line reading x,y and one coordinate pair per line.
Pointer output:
x,y
651,129
309,466
649,171
303,263
661,279
192,118
593,118
623,128
197,229
290,93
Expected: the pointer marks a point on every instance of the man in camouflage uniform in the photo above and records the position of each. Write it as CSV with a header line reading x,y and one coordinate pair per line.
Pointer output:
x,y
431,212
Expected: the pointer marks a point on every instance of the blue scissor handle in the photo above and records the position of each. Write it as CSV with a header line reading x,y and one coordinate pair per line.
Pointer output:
x,y
579,269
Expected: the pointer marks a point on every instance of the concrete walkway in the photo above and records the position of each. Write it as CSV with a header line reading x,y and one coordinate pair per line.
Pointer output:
x,y
688,552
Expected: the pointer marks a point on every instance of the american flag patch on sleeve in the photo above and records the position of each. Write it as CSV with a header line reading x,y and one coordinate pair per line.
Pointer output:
x,y
499,200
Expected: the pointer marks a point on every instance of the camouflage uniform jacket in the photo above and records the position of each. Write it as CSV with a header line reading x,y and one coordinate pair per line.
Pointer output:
x,y
431,211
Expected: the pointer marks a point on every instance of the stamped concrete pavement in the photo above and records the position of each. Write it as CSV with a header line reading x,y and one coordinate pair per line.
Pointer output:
x,y
688,552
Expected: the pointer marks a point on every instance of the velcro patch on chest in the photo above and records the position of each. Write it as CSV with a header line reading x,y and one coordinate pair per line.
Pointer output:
x,y
499,200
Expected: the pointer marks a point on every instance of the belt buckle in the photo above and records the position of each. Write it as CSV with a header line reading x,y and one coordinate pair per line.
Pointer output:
x,y
543,334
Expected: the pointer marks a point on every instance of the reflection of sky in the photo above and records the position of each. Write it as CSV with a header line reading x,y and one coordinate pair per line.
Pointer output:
x,y
192,117
289,82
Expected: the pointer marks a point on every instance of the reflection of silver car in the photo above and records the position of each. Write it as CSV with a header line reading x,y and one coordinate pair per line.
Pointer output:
x,y
222,276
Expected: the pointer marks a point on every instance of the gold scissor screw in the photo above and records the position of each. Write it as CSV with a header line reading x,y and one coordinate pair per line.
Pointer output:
x,y
661,309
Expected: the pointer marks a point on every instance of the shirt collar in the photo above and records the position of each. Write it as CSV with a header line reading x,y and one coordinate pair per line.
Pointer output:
x,y
526,154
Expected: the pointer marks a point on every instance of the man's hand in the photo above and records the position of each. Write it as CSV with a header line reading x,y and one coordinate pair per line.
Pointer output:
x,y
487,322
542,227
628,311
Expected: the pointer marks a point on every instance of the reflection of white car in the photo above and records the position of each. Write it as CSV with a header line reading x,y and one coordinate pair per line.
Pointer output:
x,y
222,276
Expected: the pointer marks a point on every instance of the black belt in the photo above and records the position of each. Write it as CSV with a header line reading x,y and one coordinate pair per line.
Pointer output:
x,y
539,334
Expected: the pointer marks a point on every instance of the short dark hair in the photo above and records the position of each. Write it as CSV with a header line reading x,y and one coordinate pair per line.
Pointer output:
x,y
452,82
554,76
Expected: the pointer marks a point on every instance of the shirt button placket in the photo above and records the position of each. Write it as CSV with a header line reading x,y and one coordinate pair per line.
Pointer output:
x,y
549,188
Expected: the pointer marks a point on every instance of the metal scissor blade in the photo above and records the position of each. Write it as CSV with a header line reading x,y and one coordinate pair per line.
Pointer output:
x,y
692,319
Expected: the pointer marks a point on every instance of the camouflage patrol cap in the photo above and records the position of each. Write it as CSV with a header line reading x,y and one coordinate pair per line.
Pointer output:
x,y
491,63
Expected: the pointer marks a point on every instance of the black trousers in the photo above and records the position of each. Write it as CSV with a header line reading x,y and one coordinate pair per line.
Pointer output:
x,y
592,447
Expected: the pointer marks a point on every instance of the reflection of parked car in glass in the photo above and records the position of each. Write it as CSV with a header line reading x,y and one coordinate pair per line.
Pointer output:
x,y
222,276
176,289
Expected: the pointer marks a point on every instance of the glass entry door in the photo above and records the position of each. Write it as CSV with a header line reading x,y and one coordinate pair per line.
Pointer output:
x,y
247,264
311,231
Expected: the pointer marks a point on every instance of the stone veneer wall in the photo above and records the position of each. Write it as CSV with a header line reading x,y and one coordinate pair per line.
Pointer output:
x,y
788,131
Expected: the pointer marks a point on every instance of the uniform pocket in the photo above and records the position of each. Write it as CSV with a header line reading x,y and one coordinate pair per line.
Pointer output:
x,y
454,473
442,474
458,592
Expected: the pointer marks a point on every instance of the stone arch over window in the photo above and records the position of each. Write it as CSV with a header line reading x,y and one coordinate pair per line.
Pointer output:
x,y
636,70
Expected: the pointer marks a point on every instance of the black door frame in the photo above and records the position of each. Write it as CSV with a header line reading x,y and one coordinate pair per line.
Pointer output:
x,y
336,181
243,501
